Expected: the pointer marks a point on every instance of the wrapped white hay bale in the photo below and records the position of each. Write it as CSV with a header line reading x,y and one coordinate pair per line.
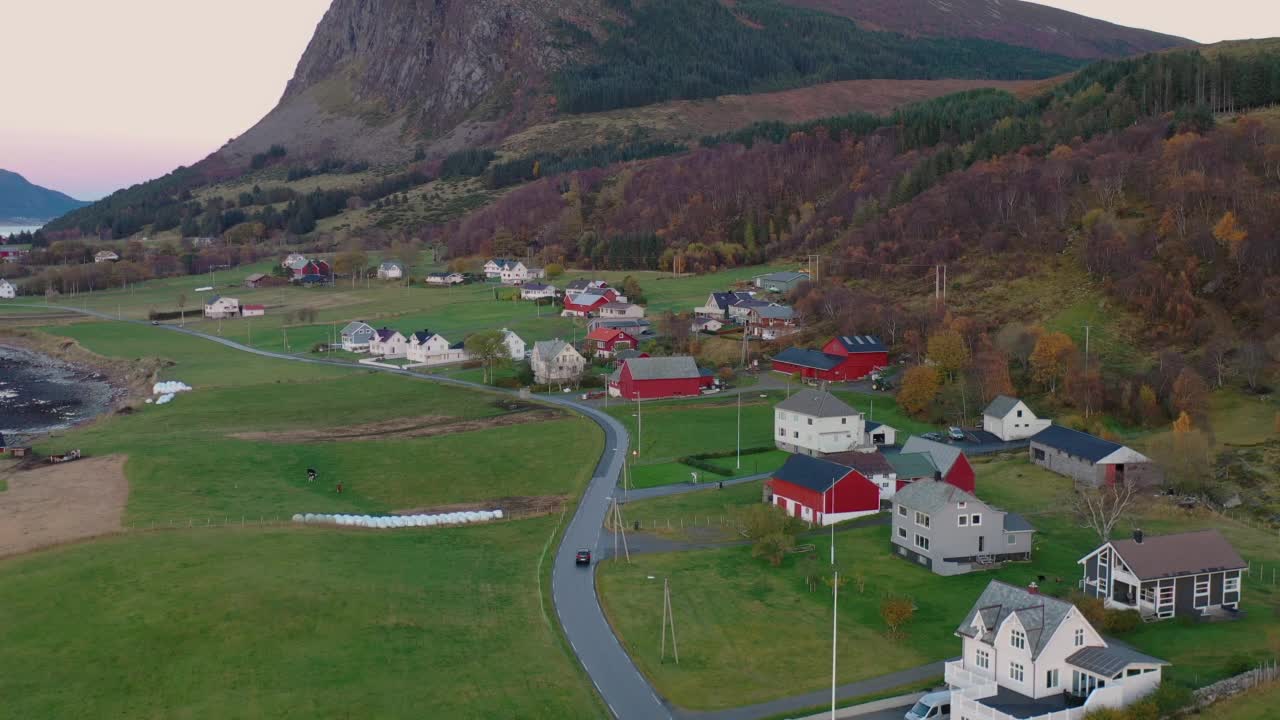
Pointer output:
x,y
298,518
497,514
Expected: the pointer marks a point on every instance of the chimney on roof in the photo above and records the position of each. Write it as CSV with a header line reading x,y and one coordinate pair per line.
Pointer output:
x,y
1137,536
1033,588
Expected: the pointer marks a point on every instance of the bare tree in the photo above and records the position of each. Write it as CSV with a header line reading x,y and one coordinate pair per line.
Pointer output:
x,y
1100,509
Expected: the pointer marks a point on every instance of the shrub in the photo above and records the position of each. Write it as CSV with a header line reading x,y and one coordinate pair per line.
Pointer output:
x,y
1120,622
896,611
1170,698
773,547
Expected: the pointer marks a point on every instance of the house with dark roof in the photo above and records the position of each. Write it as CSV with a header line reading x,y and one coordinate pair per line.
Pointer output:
x,y
1010,419
951,532
843,358
581,285
653,378
1091,460
355,336
772,321
556,361
873,466
948,460
1192,574
822,492
718,304
388,343
1027,656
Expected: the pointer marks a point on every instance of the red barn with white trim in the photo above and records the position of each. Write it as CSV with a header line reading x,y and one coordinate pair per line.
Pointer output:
x,y
654,378
847,357
822,492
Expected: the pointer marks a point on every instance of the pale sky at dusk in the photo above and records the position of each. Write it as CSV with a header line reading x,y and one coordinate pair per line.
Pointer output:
x,y
110,93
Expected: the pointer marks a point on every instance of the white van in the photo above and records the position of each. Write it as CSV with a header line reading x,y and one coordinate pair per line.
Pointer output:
x,y
934,706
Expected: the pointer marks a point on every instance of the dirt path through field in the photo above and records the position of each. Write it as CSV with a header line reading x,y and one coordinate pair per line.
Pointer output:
x,y
423,426
60,503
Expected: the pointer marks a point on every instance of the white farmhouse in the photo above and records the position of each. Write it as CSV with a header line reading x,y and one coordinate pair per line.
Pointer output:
x,y
7,290
515,345
816,423
388,343
621,310
537,291
390,271
1010,419
218,307
451,278
556,361
1028,656
428,348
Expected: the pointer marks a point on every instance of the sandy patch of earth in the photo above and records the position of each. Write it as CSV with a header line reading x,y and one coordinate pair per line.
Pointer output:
x,y
524,506
422,426
60,503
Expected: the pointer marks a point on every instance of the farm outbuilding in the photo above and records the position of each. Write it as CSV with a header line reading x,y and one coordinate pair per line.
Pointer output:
x,y
822,492
844,358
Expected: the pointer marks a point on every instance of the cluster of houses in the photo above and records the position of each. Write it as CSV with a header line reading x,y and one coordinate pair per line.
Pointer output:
x,y
512,272
1025,655
218,307
421,348
761,318
307,271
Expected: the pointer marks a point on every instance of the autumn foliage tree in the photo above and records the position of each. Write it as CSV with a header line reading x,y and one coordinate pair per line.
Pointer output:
x,y
1052,357
1231,235
920,387
896,611
948,352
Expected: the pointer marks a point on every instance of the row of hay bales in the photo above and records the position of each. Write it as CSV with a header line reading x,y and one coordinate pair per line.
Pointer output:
x,y
399,521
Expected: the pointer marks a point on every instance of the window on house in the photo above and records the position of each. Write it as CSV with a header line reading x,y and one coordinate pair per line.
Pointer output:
x,y
1018,639
975,519
963,520
810,421
922,542
782,432
1231,584
983,659
1017,672
1012,540
902,533
922,519
902,510
1019,413
1079,637
797,434
962,505
1051,678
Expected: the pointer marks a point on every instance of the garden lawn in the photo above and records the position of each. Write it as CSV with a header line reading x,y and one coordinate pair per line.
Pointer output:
x,y
274,623
737,615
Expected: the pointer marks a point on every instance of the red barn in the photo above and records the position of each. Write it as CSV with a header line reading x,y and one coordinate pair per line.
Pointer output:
x,y
848,357
822,492
606,342
588,303
653,378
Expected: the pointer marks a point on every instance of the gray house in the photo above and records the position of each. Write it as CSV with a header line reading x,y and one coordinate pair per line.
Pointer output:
x,y
780,282
1187,574
356,336
1089,459
951,532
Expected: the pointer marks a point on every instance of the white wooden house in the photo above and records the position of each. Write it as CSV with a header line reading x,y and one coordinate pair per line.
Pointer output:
x,y
218,307
388,343
451,278
537,291
7,290
1010,419
515,344
428,348
1028,656
390,271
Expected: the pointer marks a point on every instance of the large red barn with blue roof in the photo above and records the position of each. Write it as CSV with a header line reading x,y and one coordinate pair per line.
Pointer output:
x,y
843,358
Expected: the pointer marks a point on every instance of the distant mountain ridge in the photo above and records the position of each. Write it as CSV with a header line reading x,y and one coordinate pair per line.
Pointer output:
x,y
22,202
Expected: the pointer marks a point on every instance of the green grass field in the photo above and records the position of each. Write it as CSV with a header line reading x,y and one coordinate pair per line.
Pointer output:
x,y
1256,704
666,431
288,623
730,607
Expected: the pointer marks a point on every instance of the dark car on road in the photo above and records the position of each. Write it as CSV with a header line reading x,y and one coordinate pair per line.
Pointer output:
x,y
583,557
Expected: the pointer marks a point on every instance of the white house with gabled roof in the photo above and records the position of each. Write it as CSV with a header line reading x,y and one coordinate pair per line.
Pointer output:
x,y
428,348
1027,656
515,344
388,343
389,270
7,290
1010,419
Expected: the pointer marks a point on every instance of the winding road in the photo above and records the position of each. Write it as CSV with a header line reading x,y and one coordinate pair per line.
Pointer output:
x,y
620,684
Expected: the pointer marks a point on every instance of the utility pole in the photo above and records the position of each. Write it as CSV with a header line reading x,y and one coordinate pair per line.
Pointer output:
x,y
1088,396
835,600
619,528
739,431
668,618
639,425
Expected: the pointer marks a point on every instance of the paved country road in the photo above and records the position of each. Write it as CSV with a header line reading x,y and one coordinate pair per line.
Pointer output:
x,y
620,684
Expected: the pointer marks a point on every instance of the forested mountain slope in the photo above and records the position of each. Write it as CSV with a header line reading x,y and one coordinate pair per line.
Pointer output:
x,y
1025,24
22,200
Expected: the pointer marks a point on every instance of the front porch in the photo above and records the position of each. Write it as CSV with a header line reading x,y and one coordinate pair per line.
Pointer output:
x,y
976,696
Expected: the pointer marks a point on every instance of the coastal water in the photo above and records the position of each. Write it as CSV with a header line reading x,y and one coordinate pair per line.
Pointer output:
x,y
7,230
40,394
